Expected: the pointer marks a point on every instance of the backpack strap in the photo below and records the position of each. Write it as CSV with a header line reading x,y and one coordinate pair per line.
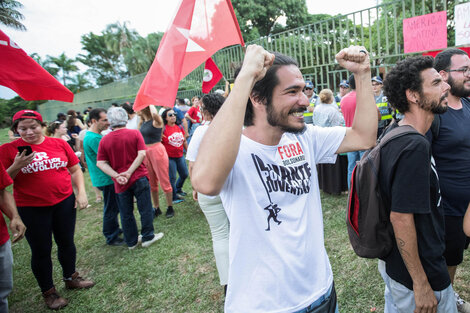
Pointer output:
x,y
396,132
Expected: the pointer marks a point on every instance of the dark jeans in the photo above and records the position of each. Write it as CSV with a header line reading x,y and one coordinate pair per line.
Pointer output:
x,y
177,164
41,223
141,191
111,228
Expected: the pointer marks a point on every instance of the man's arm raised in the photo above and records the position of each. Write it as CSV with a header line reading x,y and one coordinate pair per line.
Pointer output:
x,y
219,148
363,133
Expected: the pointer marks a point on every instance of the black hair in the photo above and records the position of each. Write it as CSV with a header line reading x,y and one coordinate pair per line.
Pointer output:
x,y
128,108
352,82
212,103
181,101
14,126
263,89
164,114
442,61
405,75
95,114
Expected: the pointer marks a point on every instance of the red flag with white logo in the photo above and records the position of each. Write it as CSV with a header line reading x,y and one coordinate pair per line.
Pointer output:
x,y
212,75
199,29
27,78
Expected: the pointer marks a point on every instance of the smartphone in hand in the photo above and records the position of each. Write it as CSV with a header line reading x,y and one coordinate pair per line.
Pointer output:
x,y
28,149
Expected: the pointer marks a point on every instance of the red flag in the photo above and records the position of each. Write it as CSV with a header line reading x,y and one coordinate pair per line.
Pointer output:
x,y
199,29
212,75
27,78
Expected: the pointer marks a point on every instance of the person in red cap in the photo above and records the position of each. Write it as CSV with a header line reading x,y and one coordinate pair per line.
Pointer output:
x,y
43,169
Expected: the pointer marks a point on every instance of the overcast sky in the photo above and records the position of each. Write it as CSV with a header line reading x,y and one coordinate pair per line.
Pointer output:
x,y
56,26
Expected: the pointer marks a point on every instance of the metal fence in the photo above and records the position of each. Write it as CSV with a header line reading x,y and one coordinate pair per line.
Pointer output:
x,y
314,46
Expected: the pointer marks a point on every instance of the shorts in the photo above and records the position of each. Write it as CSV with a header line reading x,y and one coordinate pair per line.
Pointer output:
x,y
456,240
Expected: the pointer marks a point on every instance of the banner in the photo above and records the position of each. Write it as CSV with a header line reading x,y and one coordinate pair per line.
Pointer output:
x,y
462,24
425,32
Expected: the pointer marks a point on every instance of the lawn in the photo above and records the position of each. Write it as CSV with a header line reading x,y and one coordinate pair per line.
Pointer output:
x,y
178,273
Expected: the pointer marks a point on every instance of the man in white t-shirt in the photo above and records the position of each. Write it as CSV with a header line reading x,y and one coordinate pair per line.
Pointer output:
x,y
267,180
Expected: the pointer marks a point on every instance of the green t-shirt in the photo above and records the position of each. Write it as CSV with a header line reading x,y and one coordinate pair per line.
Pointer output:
x,y
90,146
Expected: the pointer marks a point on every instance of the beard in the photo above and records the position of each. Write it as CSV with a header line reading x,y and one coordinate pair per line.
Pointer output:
x,y
436,107
275,119
458,89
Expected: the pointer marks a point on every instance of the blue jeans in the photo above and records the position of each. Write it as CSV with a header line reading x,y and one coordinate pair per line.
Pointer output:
x,y
177,164
192,129
141,191
319,301
6,277
353,157
399,299
111,228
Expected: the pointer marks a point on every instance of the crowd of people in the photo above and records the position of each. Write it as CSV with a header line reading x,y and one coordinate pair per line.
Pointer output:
x,y
257,158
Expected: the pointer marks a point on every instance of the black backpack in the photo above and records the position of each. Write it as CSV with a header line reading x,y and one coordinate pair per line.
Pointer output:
x,y
368,217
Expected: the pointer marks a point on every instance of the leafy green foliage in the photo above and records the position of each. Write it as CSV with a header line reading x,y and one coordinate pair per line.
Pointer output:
x,y
10,16
260,18
9,107
118,52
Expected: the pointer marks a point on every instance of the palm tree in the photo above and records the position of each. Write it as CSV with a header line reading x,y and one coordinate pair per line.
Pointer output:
x,y
65,65
80,82
9,16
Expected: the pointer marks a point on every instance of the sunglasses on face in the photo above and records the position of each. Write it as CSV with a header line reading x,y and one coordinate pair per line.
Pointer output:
x,y
171,114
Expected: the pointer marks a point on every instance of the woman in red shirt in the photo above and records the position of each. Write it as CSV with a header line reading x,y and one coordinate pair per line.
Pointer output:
x,y
45,200
175,143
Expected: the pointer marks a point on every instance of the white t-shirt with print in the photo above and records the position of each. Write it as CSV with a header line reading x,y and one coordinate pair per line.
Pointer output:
x,y
278,261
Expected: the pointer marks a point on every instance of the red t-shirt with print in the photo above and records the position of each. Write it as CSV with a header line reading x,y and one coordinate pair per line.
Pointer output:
x,y
119,148
5,181
46,180
173,139
195,114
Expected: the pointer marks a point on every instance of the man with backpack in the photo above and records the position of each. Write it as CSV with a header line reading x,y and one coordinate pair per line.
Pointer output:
x,y
415,272
451,150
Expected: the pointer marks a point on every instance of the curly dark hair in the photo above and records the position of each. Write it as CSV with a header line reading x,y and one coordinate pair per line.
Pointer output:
x,y
212,103
263,89
405,75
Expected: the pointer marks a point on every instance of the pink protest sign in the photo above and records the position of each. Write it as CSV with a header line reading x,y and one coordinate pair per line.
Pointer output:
x,y
425,32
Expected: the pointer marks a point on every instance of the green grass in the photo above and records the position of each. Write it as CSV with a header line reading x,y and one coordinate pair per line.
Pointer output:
x,y
178,273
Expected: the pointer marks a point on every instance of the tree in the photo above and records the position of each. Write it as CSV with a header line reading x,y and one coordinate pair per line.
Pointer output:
x,y
10,16
80,82
103,54
118,52
64,65
259,18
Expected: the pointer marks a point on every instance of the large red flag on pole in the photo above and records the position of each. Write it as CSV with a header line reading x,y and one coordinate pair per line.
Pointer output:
x,y
27,78
199,29
212,75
